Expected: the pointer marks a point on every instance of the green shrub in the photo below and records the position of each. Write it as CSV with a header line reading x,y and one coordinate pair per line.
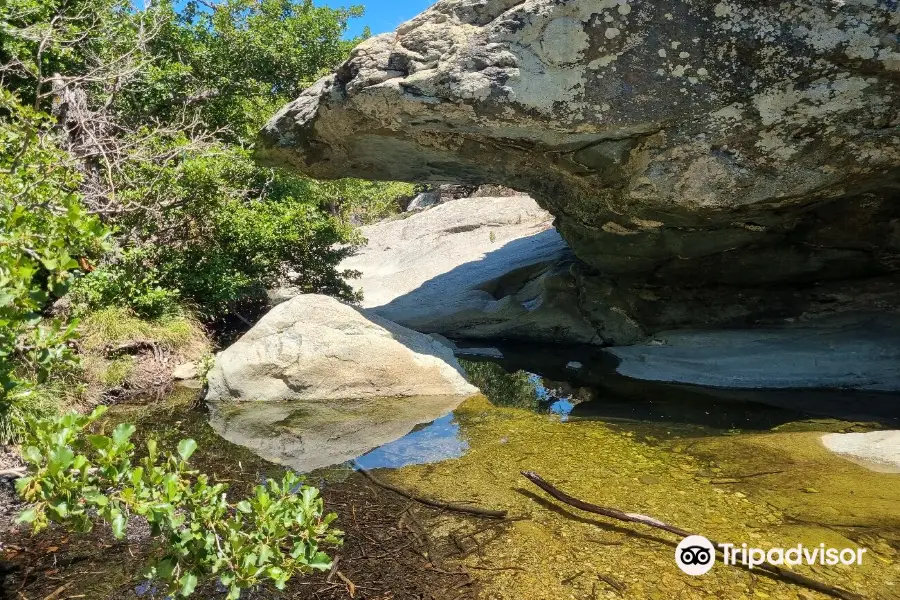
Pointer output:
x,y
45,235
362,202
132,281
223,255
274,535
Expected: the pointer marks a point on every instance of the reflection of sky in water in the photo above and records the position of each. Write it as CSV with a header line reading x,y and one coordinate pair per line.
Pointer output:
x,y
561,406
433,443
440,440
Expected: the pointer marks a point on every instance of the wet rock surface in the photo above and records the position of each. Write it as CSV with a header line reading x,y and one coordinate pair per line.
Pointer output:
x,y
852,354
711,164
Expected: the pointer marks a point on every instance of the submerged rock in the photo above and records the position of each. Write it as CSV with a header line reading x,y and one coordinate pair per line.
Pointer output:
x,y
878,450
710,163
474,268
317,348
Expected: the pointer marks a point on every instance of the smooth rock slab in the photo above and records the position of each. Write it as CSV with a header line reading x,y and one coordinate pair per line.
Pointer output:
x,y
859,352
473,268
877,450
317,348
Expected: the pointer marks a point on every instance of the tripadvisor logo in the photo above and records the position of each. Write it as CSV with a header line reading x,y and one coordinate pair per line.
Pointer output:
x,y
696,555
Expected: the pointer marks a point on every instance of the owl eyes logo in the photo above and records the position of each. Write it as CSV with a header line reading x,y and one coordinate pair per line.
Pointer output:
x,y
695,555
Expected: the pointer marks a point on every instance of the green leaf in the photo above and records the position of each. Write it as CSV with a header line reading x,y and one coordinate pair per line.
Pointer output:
x,y
265,553
244,507
33,455
136,475
309,495
100,442
61,459
61,508
118,523
165,568
22,484
188,583
320,561
27,516
186,449
97,499
277,575
123,433
98,412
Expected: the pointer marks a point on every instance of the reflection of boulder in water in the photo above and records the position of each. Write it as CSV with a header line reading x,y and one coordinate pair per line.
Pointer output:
x,y
311,434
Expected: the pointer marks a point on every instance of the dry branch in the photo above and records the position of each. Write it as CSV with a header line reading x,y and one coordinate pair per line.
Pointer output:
x,y
16,473
133,347
613,513
470,510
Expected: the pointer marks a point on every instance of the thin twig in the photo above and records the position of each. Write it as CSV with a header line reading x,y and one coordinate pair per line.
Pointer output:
x,y
471,510
617,585
351,587
613,513
56,593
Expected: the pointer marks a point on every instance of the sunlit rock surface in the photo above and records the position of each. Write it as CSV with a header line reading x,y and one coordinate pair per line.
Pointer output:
x,y
474,268
877,450
712,163
315,348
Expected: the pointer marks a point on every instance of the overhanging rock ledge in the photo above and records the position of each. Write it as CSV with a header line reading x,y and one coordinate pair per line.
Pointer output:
x,y
712,164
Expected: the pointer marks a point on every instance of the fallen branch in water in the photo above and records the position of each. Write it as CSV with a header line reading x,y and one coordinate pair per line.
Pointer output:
x,y
613,513
471,510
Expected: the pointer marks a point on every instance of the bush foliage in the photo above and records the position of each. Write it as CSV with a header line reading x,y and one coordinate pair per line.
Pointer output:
x,y
126,136
45,235
274,535
158,108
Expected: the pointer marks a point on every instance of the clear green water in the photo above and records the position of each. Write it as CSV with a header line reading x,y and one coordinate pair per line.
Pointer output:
x,y
739,472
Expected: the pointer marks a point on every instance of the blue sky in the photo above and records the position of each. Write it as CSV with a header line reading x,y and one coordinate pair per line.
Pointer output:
x,y
383,15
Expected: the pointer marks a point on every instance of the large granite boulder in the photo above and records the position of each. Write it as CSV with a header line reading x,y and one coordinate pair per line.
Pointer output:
x,y
474,268
315,348
712,163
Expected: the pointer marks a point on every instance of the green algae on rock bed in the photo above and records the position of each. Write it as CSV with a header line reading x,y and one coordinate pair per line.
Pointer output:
x,y
555,553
